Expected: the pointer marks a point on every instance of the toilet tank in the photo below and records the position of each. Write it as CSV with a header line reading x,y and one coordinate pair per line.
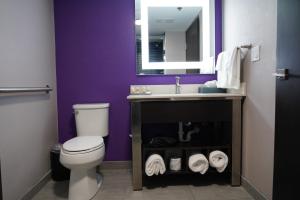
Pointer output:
x,y
91,119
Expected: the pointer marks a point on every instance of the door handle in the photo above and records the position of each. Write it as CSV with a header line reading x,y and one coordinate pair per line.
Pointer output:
x,y
282,74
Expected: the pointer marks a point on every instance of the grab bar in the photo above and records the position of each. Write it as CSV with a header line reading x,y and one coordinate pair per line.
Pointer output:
x,y
6,90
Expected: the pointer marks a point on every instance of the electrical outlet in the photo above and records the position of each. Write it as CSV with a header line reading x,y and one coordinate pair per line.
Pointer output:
x,y
255,53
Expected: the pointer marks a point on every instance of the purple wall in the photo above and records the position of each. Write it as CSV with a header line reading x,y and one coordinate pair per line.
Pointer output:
x,y
95,59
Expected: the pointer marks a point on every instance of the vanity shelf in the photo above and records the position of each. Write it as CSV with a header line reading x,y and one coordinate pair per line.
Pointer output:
x,y
208,109
184,150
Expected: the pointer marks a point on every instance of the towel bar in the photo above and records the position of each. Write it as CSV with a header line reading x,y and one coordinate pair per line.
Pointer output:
x,y
248,46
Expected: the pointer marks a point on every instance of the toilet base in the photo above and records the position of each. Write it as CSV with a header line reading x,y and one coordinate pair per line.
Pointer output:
x,y
84,184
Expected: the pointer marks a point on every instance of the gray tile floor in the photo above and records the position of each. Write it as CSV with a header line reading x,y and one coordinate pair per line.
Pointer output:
x,y
117,185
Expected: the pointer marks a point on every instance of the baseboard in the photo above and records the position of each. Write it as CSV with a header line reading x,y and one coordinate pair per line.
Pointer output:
x,y
252,190
112,165
37,187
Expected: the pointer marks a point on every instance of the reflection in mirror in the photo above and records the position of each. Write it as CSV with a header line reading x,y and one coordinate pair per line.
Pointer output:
x,y
174,34
175,37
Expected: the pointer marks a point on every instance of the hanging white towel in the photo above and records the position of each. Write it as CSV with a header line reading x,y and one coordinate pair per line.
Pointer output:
x,y
229,68
198,163
218,160
155,165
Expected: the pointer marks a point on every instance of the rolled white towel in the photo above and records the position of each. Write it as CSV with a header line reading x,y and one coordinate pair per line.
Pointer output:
x,y
155,165
198,163
218,160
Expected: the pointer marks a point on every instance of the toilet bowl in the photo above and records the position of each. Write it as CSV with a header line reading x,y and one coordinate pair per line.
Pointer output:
x,y
81,155
86,151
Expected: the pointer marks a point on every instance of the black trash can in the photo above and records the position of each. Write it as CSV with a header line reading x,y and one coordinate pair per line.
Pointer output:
x,y
58,172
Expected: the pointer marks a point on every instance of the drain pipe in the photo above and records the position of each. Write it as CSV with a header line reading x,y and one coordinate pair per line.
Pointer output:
x,y
180,132
189,134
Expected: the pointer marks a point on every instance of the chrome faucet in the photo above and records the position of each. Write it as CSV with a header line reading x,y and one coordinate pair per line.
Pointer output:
x,y
177,85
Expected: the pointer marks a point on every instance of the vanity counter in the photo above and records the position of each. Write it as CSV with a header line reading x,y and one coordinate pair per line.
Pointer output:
x,y
187,96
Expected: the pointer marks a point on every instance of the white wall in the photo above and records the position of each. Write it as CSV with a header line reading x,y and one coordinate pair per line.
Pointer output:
x,y
255,22
28,124
175,50
175,46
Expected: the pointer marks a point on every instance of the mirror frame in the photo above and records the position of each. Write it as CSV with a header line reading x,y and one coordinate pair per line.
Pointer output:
x,y
207,65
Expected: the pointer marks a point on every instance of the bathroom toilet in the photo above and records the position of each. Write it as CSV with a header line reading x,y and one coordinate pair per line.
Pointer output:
x,y
85,152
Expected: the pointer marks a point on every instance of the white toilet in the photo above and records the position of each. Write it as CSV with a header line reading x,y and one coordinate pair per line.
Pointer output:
x,y
86,151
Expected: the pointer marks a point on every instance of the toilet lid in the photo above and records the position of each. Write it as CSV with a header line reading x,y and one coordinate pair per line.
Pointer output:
x,y
83,143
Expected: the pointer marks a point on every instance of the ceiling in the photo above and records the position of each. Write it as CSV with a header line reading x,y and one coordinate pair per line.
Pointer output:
x,y
162,19
171,19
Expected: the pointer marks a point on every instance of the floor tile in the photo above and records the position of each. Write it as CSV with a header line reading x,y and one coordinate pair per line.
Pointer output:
x,y
219,192
117,185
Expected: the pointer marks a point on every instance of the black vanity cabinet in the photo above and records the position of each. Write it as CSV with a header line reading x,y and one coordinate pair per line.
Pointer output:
x,y
224,110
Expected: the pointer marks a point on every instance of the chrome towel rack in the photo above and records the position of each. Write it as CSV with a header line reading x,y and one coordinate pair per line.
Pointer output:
x,y
7,90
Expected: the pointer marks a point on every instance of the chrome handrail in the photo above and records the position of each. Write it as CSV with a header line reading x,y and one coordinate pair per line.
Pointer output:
x,y
6,90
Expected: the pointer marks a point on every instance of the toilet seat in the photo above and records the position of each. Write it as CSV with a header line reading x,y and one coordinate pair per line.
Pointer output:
x,y
83,144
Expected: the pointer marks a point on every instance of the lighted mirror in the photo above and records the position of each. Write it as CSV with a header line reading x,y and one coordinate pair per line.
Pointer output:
x,y
175,36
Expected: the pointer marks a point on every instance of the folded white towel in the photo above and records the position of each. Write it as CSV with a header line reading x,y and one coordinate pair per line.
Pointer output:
x,y
198,163
218,160
212,83
155,165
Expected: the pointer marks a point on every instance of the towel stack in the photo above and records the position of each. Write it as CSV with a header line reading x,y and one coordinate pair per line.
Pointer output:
x,y
155,165
199,163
